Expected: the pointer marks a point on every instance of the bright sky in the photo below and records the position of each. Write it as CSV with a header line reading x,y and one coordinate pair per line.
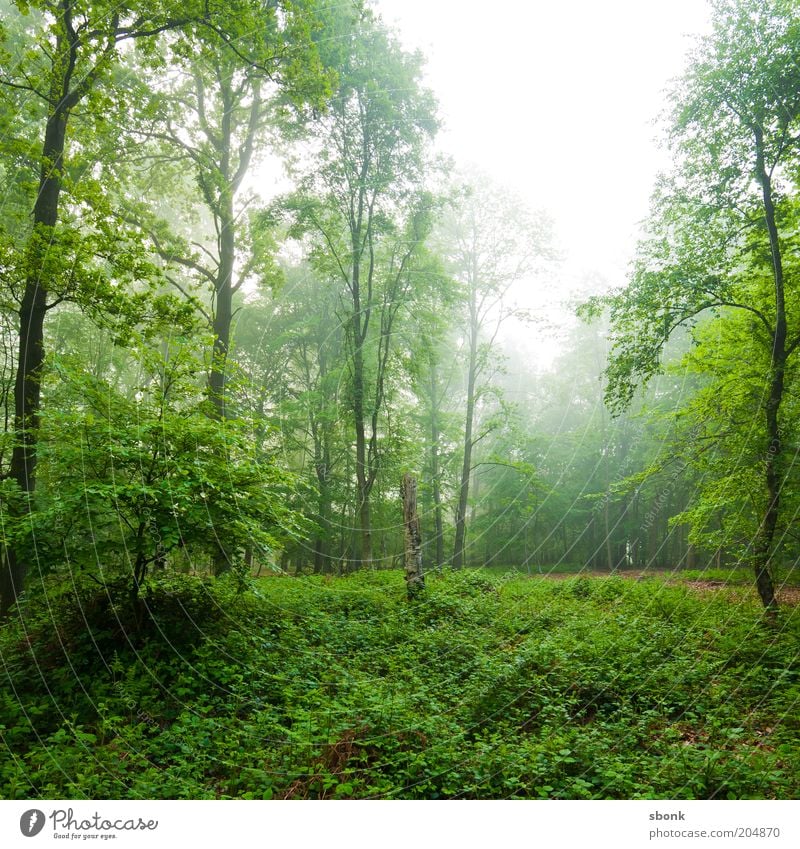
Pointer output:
x,y
557,99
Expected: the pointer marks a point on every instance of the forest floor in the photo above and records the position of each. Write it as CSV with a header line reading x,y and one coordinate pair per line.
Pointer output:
x,y
487,686
787,595
787,584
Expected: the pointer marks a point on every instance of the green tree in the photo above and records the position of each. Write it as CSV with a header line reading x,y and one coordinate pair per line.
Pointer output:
x,y
489,243
434,379
721,233
210,120
137,482
365,209
71,55
292,347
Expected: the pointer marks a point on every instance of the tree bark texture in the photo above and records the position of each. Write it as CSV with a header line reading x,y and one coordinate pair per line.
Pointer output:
x,y
466,466
764,542
27,384
415,578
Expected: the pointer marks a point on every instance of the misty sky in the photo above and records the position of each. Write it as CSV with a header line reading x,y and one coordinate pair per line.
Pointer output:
x,y
558,100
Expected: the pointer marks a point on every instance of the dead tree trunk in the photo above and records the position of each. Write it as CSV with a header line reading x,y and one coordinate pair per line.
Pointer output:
x,y
415,579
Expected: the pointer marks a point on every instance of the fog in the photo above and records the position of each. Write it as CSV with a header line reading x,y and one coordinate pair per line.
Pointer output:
x,y
558,101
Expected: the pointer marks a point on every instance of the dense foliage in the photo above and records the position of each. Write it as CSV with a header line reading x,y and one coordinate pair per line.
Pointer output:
x,y
242,297
485,687
721,244
365,323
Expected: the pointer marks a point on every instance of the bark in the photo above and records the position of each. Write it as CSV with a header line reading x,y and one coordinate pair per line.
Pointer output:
x,y
466,466
27,384
231,170
764,541
322,556
362,553
415,578
223,313
362,549
231,175
435,472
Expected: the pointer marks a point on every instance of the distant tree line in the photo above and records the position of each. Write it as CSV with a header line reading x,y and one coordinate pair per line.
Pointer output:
x,y
198,373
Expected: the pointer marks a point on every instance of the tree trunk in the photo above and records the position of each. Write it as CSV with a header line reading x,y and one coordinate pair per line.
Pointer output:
x,y
362,553
27,384
230,170
222,331
322,541
763,547
223,292
466,466
435,472
223,315
764,541
415,579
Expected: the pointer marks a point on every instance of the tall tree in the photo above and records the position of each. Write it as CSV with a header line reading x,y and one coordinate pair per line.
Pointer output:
x,y
434,380
490,242
366,210
211,119
70,62
723,224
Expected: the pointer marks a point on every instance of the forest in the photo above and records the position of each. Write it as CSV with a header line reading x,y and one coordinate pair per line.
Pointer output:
x,y
289,505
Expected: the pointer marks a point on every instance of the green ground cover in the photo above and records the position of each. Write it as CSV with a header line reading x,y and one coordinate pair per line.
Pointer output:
x,y
488,686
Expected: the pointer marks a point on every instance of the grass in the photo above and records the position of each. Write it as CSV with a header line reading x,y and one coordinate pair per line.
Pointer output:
x,y
487,687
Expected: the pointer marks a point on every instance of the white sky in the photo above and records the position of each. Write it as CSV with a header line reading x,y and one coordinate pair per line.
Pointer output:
x,y
558,99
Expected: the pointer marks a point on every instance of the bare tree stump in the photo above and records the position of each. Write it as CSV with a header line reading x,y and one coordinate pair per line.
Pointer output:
x,y
415,579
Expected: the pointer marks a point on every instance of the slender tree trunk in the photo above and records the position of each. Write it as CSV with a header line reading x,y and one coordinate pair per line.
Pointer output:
x,y
365,530
230,171
231,168
223,291
362,552
435,472
764,541
415,578
223,316
322,542
466,466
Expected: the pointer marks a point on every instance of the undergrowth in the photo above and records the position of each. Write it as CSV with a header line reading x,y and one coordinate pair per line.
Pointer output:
x,y
484,687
